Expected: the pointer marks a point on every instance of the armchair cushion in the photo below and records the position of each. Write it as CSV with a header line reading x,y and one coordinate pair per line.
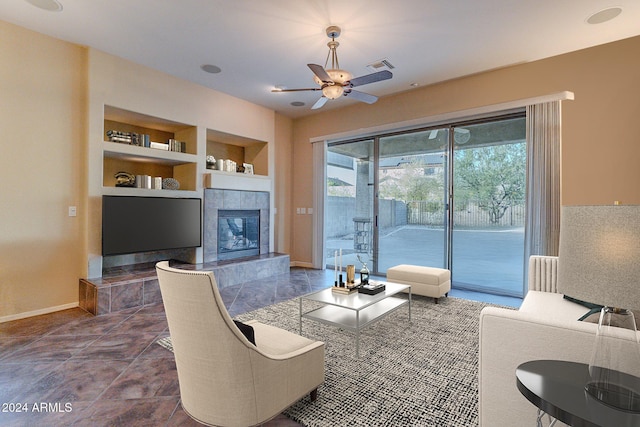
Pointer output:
x,y
278,342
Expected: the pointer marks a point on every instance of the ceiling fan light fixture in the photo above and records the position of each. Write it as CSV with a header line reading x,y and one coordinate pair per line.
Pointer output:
x,y
332,91
338,76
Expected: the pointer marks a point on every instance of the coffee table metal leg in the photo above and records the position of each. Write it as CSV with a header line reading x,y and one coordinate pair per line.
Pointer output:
x,y
409,304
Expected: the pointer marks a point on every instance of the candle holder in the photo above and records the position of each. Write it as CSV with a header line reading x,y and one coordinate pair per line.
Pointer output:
x,y
351,274
364,272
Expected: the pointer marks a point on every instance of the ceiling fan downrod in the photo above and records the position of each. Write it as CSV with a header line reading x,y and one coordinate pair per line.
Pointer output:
x,y
333,32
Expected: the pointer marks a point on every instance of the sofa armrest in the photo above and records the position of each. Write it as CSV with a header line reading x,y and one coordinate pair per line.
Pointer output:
x,y
509,338
543,273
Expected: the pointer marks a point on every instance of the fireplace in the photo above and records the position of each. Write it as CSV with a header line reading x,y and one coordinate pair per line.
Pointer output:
x,y
219,204
238,233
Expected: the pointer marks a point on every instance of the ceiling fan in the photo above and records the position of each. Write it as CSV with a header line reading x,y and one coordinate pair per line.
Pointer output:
x,y
335,82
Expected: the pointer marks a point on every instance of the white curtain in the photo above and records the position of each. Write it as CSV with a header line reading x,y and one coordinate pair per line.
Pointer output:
x,y
319,190
543,179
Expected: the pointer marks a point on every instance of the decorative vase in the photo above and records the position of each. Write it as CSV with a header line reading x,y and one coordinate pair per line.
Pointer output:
x,y
364,274
615,361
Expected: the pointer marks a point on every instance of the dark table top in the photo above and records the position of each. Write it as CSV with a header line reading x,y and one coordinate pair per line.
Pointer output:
x,y
557,387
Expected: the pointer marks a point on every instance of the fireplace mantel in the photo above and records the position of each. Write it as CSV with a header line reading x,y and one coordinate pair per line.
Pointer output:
x,y
236,181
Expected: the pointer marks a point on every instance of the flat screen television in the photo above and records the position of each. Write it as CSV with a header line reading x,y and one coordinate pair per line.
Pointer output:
x,y
144,224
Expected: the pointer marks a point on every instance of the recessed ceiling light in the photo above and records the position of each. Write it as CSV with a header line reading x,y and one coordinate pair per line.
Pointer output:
x,y
50,5
209,68
604,15
297,104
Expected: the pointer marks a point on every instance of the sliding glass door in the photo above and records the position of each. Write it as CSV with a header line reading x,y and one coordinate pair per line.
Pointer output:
x,y
488,212
400,199
349,221
412,199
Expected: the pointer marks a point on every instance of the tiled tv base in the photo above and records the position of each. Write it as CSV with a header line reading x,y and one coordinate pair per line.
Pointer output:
x,y
127,287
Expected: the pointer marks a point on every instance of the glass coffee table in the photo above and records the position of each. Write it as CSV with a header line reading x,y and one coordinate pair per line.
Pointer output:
x,y
354,311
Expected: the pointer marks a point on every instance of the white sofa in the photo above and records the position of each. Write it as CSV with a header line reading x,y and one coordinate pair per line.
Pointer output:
x,y
545,327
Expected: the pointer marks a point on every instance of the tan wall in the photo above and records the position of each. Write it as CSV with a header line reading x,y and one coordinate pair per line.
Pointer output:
x,y
601,150
282,184
52,95
42,170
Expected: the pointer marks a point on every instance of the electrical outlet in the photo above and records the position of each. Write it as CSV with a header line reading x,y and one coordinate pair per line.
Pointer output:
x,y
72,211
303,211
310,211
298,211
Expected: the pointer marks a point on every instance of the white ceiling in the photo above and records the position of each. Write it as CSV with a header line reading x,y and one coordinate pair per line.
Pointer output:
x,y
259,44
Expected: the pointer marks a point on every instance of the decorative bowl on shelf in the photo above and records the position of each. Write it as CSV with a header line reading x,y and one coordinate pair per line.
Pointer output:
x,y
170,184
125,179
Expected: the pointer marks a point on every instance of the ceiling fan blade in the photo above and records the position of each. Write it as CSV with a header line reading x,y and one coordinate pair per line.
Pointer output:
x,y
320,73
295,90
371,78
319,103
361,96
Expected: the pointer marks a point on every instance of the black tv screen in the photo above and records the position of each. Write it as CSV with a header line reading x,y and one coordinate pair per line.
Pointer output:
x,y
145,224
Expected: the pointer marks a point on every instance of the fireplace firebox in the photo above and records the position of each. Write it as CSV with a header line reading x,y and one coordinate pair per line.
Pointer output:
x,y
238,233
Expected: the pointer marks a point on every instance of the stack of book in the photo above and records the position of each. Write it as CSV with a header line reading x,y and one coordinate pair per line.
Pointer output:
x,y
143,140
130,138
372,288
177,146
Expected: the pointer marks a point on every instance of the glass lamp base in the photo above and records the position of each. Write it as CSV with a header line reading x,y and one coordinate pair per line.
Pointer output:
x,y
614,395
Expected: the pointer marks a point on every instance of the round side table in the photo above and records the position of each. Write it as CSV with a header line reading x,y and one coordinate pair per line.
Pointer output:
x,y
556,387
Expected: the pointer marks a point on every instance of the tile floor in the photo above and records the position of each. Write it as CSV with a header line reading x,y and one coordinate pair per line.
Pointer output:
x,y
71,368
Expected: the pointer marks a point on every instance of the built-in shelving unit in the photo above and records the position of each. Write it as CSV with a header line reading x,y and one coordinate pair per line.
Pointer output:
x,y
239,149
128,98
140,160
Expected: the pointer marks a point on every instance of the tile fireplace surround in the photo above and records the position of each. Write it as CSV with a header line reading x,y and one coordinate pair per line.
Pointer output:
x,y
130,286
218,199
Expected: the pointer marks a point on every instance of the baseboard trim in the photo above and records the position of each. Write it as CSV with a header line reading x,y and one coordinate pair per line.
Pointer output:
x,y
301,264
47,310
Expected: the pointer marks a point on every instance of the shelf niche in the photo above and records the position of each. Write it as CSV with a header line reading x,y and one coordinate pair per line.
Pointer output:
x,y
241,150
154,162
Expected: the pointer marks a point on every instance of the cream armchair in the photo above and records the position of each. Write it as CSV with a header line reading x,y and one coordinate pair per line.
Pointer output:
x,y
224,379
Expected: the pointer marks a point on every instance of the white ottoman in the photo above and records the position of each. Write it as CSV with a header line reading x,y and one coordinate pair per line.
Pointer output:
x,y
426,281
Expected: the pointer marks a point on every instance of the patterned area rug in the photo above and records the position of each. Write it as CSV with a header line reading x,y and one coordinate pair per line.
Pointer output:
x,y
423,373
